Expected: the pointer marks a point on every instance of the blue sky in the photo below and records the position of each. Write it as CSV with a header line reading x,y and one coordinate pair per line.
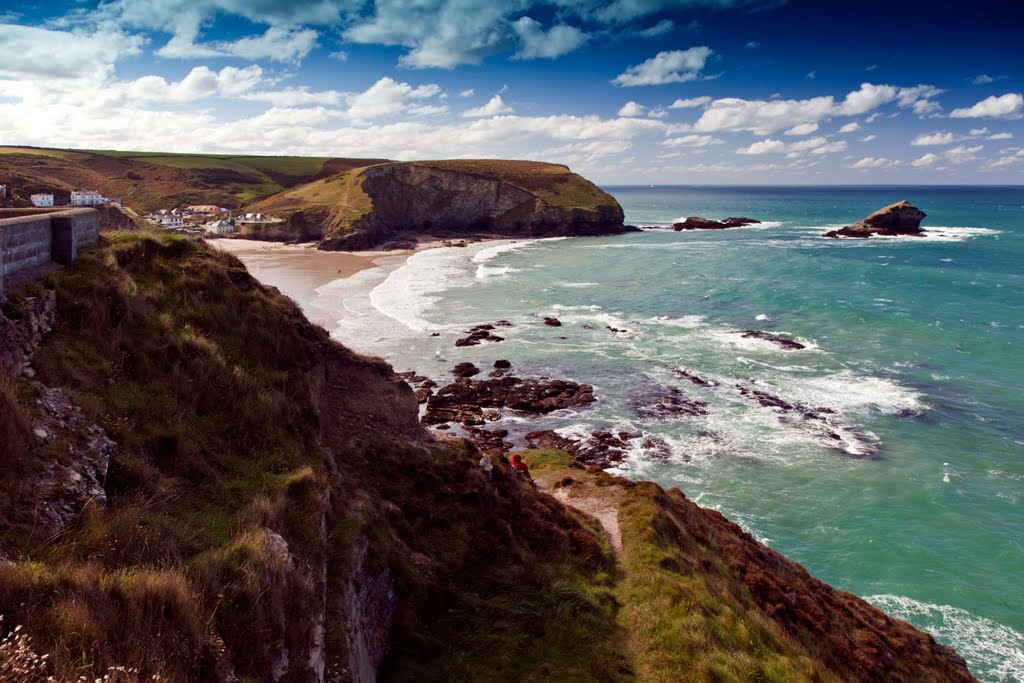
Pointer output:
x,y
628,91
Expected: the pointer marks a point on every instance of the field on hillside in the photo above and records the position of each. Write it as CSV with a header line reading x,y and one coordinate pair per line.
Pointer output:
x,y
150,180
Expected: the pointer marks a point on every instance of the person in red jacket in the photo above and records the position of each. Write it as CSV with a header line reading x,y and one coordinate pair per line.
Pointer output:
x,y
521,468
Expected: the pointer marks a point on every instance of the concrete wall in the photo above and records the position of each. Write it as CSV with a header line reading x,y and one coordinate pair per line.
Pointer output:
x,y
32,237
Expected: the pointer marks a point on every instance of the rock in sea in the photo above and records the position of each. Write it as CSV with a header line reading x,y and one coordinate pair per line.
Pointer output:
x,y
901,218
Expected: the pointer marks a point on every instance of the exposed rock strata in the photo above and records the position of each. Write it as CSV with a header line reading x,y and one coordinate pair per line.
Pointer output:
x,y
900,218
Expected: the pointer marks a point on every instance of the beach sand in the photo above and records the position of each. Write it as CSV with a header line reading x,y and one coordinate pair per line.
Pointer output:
x,y
299,269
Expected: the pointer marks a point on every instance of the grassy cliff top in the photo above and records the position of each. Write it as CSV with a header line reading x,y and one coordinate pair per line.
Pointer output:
x,y
150,180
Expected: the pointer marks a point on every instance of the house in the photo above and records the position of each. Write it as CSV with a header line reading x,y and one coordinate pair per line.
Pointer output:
x,y
220,227
169,221
86,198
42,200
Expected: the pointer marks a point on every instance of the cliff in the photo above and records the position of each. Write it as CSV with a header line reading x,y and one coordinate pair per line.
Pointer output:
x,y
271,509
374,206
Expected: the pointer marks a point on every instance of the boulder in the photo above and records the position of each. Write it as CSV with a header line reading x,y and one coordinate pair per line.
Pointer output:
x,y
901,218
465,399
777,339
502,363
553,322
465,370
698,223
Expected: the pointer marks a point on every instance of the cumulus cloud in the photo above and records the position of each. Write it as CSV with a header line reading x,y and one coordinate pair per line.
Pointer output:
x,y
201,82
802,129
851,127
538,43
962,154
388,97
764,147
1008,106
691,103
691,141
468,92
494,106
873,162
31,52
632,109
942,138
925,161
672,66
869,138
764,117
1001,136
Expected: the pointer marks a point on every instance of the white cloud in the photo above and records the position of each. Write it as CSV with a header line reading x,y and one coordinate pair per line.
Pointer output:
x,y
764,117
388,97
942,138
764,147
979,131
802,129
536,43
468,92
691,103
851,127
691,141
673,66
293,97
1001,136
494,106
873,162
962,154
869,138
811,75
340,55
201,82
1006,106
661,28
632,108
30,52
925,161
658,113
982,79
753,45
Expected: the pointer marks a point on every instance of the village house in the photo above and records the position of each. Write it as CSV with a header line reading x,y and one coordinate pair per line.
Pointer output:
x,y
171,221
42,200
86,198
221,227
203,208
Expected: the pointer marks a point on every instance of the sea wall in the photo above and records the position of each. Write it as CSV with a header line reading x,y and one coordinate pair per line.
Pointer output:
x,y
33,237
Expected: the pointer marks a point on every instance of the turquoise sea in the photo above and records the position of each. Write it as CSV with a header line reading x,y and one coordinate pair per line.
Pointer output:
x,y
914,343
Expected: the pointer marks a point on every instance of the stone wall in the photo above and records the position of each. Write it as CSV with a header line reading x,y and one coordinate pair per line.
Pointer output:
x,y
33,237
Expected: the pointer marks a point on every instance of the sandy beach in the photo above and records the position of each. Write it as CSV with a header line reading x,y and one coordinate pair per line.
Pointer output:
x,y
299,270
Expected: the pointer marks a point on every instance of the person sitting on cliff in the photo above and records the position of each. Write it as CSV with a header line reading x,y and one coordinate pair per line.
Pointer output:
x,y
487,467
520,468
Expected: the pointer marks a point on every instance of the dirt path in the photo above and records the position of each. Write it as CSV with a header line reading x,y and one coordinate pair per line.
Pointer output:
x,y
601,503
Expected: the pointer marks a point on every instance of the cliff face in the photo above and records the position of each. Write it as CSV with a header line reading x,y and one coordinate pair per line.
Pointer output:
x,y
370,207
274,511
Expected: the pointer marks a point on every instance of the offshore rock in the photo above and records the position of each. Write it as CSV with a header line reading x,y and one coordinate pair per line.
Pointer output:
x,y
464,400
901,218
698,223
777,339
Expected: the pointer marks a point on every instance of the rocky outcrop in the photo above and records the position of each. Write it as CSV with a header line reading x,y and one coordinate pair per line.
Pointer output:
x,y
698,223
465,400
394,203
901,218
22,329
777,339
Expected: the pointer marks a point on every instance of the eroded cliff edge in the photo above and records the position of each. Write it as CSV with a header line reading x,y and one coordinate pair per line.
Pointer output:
x,y
274,511
397,202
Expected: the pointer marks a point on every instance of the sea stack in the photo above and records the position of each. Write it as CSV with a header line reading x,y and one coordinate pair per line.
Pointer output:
x,y
901,218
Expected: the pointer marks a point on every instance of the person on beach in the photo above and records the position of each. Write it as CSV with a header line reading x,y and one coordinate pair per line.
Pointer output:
x,y
520,468
487,467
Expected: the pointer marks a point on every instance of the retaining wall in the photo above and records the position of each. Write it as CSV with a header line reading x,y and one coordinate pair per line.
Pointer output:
x,y
32,237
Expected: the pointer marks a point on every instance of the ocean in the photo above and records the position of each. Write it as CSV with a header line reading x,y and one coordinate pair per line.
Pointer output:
x,y
907,489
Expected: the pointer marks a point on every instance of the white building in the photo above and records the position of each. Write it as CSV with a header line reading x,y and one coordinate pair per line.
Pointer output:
x,y
86,198
220,227
42,200
170,221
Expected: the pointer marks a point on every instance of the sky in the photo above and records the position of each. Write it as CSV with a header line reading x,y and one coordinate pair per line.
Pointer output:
x,y
624,92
